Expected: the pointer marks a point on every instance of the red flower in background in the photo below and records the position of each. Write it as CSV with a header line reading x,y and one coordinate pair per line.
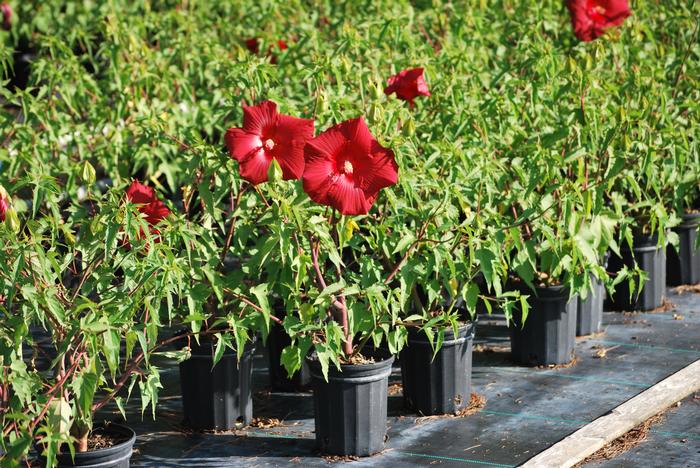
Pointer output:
x,y
253,45
267,135
148,203
408,84
346,168
591,18
6,15
3,205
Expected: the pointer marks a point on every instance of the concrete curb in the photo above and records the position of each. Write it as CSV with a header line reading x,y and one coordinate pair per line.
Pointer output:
x,y
592,437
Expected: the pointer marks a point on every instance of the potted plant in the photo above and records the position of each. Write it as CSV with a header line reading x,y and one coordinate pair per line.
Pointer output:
x,y
98,283
452,258
683,257
643,255
335,293
225,311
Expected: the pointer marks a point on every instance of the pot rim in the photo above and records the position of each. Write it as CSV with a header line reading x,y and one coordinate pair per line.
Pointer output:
x,y
465,331
122,428
351,373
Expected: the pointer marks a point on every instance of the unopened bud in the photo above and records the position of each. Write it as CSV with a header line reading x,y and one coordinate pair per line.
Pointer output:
x,y
87,174
12,220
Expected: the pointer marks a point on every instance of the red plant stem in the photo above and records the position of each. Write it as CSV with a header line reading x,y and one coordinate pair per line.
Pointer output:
x,y
347,345
262,197
137,360
232,228
247,301
685,58
317,268
51,394
418,240
339,304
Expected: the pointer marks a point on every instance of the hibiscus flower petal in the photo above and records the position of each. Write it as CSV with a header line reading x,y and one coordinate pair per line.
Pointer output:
x,y
241,144
147,201
408,84
319,171
329,143
155,212
344,196
616,11
291,135
139,194
391,85
254,167
356,131
260,117
384,173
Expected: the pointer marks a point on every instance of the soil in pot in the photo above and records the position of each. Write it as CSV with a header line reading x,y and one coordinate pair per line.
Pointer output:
x,y
650,258
589,316
277,340
442,384
549,333
350,409
683,265
108,447
218,398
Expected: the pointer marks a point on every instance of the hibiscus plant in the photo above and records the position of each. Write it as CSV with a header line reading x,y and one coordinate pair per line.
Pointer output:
x,y
87,289
315,255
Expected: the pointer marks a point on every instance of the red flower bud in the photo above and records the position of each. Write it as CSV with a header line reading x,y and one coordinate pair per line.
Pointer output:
x,y
4,205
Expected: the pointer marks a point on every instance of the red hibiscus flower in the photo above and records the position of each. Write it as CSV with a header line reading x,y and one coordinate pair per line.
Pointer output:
x,y
346,167
6,16
408,84
267,135
591,18
148,203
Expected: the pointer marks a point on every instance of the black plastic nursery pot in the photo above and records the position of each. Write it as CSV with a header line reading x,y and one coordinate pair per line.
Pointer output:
x,y
652,259
350,409
549,334
218,398
116,456
441,385
683,265
277,340
589,316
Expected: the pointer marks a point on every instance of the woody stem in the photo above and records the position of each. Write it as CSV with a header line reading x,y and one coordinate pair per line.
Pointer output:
x,y
344,322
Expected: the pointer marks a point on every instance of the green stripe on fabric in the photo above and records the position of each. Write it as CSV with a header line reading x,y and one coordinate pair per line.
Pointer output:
x,y
464,460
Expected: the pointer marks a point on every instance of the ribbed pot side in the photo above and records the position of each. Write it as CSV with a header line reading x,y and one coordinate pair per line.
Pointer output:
x,y
683,266
442,384
589,316
350,409
218,398
652,259
549,334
